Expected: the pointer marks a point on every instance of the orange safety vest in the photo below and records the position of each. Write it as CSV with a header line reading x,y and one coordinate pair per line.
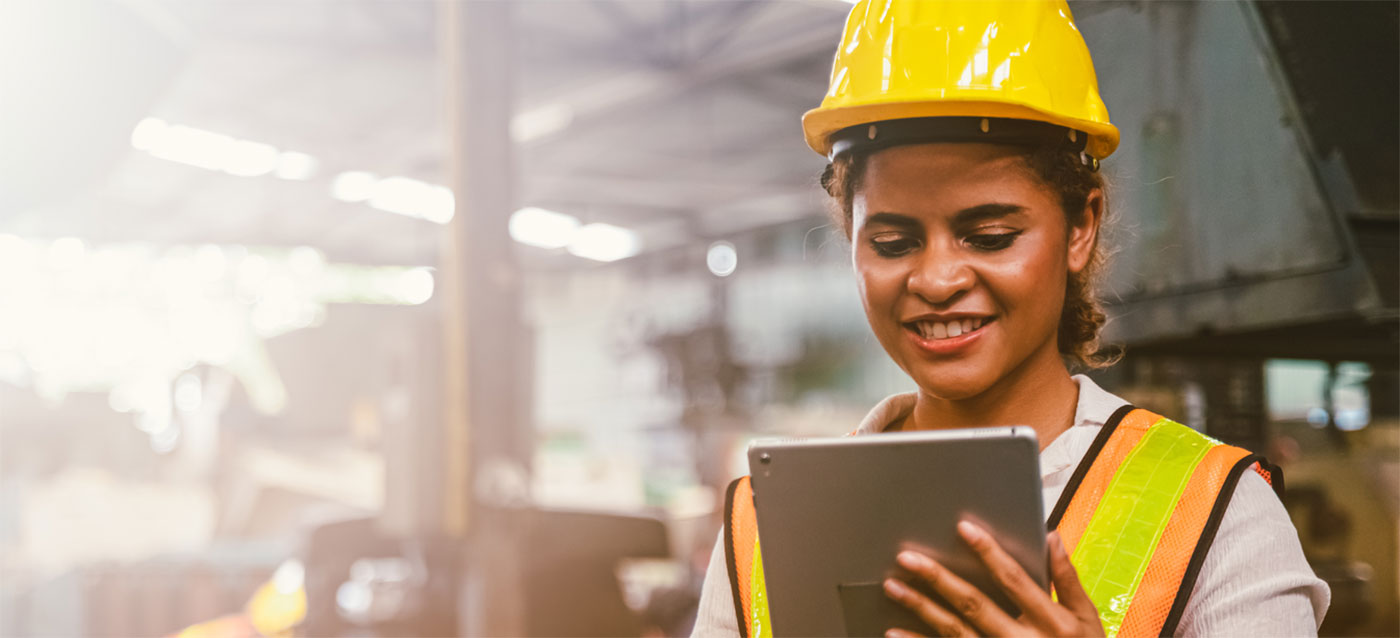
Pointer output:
x,y
1199,474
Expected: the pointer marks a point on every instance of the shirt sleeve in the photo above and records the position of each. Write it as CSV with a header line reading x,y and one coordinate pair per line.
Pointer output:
x,y
715,617
1255,581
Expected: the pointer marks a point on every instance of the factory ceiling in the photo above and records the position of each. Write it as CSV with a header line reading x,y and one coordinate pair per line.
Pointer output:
x,y
676,119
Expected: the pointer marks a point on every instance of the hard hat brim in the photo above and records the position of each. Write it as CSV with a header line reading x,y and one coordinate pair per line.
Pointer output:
x,y
820,123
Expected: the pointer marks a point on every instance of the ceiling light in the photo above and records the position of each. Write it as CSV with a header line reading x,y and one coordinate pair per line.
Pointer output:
x,y
542,228
149,133
412,198
249,159
605,242
722,258
415,286
295,166
541,122
353,186
218,152
191,146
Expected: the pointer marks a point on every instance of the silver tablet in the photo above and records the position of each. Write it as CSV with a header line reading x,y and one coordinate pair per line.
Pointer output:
x,y
834,512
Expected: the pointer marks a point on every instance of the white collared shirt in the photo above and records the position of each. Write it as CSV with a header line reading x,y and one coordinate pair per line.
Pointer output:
x,y
1254,580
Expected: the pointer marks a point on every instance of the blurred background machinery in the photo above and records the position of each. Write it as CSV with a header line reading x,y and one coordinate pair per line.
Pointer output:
x,y
487,298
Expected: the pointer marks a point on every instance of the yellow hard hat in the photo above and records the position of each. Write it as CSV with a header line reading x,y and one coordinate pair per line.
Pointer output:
x,y
988,69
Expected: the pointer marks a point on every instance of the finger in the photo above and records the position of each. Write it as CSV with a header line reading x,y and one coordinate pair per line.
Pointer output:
x,y
968,602
1067,585
1034,602
902,633
944,622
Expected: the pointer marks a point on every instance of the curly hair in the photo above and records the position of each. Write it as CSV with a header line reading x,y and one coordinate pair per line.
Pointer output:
x,y
1082,317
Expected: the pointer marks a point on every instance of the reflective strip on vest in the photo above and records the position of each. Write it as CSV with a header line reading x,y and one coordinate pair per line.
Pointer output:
x,y
1120,539
759,625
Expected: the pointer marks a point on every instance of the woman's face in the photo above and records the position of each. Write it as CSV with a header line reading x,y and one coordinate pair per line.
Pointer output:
x,y
961,254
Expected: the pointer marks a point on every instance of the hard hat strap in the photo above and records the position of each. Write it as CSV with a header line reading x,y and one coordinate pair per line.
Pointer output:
x,y
987,130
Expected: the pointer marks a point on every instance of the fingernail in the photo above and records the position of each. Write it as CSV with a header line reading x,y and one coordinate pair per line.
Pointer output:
x,y
913,560
894,633
895,588
969,530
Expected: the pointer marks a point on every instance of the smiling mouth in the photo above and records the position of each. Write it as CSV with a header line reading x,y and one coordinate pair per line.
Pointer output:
x,y
936,330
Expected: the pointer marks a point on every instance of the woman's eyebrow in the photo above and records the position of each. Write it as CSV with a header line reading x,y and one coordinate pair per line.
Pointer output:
x,y
985,212
892,219
964,217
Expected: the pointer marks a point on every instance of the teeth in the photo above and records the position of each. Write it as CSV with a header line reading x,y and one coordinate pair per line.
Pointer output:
x,y
944,330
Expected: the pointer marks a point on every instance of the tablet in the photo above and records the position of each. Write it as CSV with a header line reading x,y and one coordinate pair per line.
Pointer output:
x,y
834,512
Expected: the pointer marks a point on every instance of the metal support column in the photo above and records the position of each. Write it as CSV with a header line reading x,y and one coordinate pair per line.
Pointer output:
x,y
487,440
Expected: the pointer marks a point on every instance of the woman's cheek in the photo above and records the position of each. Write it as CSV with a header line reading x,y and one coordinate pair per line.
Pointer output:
x,y
880,283
1033,277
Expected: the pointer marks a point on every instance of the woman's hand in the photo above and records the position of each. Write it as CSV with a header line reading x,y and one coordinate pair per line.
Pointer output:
x,y
973,614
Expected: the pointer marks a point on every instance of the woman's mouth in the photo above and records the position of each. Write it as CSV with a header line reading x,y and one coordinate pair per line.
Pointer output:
x,y
949,337
939,330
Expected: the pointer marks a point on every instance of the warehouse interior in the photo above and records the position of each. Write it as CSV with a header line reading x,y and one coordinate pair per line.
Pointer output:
x,y
457,317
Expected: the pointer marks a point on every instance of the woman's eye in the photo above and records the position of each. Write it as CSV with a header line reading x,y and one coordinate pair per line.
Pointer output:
x,y
893,247
992,241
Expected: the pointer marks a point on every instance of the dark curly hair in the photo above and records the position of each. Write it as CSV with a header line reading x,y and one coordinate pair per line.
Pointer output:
x,y
1082,317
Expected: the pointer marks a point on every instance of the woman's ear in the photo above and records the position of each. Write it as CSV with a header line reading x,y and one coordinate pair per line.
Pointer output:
x,y
1085,235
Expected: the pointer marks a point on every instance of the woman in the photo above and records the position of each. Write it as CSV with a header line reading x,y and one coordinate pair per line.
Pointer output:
x,y
965,139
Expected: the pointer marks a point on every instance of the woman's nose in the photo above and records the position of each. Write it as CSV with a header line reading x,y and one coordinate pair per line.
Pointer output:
x,y
940,278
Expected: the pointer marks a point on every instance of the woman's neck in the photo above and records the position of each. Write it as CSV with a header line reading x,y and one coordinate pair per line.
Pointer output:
x,y
1040,395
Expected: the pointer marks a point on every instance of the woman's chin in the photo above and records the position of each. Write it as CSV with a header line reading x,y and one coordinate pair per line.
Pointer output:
x,y
952,387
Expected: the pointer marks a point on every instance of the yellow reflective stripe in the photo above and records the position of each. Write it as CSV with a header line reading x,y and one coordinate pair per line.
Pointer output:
x,y
759,625
1118,543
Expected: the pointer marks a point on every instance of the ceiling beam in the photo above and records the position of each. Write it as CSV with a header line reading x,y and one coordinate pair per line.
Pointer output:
x,y
624,95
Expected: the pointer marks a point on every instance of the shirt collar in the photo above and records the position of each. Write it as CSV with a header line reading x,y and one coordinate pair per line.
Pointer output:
x,y
1094,407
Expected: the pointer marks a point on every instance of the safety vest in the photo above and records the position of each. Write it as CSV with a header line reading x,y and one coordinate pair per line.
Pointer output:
x,y
1137,516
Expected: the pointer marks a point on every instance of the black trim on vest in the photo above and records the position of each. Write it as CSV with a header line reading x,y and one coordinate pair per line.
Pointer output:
x,y
1275,476
1198,557
1105,433
730,561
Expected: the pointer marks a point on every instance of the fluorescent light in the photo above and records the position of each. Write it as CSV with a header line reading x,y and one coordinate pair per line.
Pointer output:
x,y
412,198
249,159
216,151
400,195
353,186
605,242
296,166
722,258
440,205
542,228
149,133
540,122
414,286
192,147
